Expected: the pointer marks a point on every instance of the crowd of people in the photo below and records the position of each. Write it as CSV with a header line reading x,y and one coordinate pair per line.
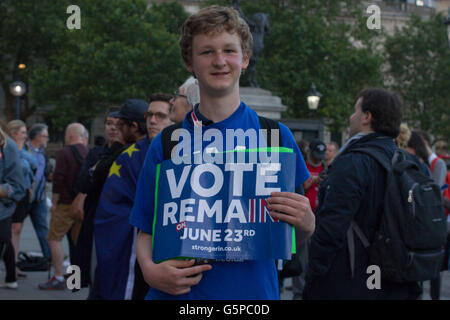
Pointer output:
x,y
81,188
103,197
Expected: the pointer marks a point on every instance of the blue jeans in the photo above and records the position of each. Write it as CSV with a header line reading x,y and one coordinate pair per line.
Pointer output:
x,y
38,214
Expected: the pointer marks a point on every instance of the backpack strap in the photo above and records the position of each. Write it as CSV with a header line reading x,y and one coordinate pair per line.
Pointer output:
x,y
433,163
351,243
79,160
400,159
383,160
268,125
380,157
166,139
76,154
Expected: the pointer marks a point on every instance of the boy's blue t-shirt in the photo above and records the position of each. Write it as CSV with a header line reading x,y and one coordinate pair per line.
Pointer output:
x,y
226,280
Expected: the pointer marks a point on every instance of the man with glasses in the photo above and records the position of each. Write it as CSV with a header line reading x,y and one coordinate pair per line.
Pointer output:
x,y
184,100
119,276
38,209
158,117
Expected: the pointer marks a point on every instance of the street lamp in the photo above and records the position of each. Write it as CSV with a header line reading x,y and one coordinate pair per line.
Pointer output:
x,y
447,23
17,89
313,98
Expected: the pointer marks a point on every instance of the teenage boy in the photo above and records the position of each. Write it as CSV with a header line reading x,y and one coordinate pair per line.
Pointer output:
x,y
216,46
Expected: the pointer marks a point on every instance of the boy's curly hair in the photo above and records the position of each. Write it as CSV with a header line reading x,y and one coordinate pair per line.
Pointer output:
x,y
213,20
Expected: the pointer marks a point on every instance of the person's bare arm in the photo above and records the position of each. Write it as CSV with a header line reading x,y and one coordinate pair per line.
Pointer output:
x,y
174,277
77,206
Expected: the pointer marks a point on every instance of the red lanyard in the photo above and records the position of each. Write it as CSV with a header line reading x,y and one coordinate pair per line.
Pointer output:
x,y
195,119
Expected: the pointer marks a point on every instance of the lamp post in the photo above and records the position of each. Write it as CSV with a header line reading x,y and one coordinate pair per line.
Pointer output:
x,y
17,89
447,24
313,98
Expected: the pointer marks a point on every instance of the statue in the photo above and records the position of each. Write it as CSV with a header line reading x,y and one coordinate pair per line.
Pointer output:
x,y
259,26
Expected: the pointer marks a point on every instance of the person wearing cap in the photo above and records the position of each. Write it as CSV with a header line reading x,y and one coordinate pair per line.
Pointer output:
x,y
119,276
132,120
131,127
184,100
315,163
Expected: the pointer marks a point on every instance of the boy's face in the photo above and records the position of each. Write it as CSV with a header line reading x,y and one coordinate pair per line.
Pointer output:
x,y
217,61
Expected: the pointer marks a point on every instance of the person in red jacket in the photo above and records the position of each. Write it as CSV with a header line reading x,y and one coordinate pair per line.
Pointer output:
x,y
315,163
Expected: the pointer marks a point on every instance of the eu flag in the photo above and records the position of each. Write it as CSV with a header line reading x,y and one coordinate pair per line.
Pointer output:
x,y
114,236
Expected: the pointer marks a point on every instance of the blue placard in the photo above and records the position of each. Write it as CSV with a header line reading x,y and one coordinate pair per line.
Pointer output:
x,y
219,211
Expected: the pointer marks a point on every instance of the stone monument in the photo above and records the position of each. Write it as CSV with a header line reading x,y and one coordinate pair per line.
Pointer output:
x,y
260,100
259,26
263,102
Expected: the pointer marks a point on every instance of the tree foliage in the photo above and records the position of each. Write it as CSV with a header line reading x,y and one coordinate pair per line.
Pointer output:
x,y
124,49
419,60
30,33
323,41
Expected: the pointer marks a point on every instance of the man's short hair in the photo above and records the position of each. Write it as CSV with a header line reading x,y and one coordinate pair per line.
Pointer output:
x,y
417,142
386,109
78,129
335,144
141,126
36,129
210,21
165,97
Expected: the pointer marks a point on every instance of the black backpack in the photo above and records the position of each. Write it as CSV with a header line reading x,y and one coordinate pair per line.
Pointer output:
x,y
409,241
30,262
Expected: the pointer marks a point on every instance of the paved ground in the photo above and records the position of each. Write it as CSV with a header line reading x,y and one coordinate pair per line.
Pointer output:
x,y
28,289
286,294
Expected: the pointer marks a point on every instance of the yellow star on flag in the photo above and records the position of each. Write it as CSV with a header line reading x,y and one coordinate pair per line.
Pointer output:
x,y
131,149
115,168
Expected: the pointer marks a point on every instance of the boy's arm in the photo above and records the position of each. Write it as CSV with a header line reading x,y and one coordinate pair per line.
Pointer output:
x,y
174,277
290,207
